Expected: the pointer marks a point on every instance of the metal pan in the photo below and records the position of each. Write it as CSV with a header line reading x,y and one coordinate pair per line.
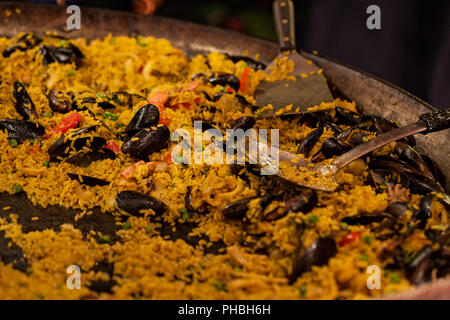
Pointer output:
x,y
374,96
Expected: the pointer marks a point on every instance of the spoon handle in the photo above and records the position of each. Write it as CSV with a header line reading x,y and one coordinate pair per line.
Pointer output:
x,y
429,122
285,23
435,121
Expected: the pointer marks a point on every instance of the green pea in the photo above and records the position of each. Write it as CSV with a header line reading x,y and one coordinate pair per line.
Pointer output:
x,y
13,143
17,189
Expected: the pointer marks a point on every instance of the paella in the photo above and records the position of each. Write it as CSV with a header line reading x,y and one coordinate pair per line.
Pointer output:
x,y
88,126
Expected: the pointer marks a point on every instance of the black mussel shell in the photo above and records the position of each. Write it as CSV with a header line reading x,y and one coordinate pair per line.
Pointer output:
x,y
188,203
347,117
85,159
309,142
365,219
407,154
89,181
419,184
145,117
243,123
399,209
23,103
237,209
317,254
61,54
304,202
24,43
418,270
222,79
147,141
21,129
255,65
333,147
133,202
58,149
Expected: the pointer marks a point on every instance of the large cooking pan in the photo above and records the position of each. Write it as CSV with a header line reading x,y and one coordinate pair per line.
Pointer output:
x,y
374,96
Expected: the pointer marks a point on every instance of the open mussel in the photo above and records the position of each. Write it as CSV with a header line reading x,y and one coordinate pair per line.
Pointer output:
x,y
429,204
348,117
309,142
58,102
133,202
23,103
21,129
147,141
315,119
237,209
407,154
25,42
61,148
389,163
251,63
317,254
69,54
333,147
221,79
418,184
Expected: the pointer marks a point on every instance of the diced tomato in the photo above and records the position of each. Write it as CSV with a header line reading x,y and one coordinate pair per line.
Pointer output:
x,y
111,145
168,158
244,79
164,121
230,90
197,100
70,122
35,149
141,68
161,108
349,238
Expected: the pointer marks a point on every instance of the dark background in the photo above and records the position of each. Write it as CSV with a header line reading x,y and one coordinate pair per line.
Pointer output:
x,y
412,50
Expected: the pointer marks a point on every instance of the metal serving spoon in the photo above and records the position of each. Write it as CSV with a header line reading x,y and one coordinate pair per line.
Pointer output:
x,y
310,88
429,122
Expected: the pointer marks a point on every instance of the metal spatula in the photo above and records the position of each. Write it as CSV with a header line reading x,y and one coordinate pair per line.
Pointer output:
x,y
306,91
429,122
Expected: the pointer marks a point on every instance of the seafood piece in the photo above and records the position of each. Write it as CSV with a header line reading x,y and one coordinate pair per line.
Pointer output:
x,y
21,129
145,117
147,141
58,103
70,54
317,254
309,142
89,181
25,42
133,202
23,103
